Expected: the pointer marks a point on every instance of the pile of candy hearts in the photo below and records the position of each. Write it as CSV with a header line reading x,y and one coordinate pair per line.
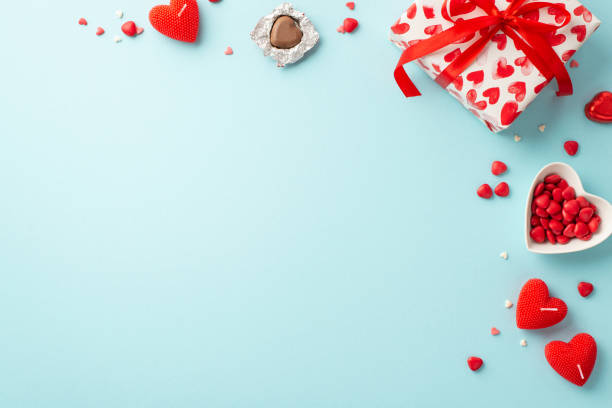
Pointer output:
x,y
558,215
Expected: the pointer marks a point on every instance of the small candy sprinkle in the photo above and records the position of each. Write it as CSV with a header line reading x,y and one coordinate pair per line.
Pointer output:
x,y
214,1
484,191
350,24
523,343
585,288
508,304
502,189
340,29
139,30
228,51
119,14
494,331
571,147
82,21
474,363
99,31
351,5
574,64
504,255
117,39
542,128
498,167
129,28
517,138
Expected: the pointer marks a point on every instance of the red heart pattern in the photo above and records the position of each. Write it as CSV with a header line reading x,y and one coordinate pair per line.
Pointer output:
x,y
535,309
502,81
575,360
179,20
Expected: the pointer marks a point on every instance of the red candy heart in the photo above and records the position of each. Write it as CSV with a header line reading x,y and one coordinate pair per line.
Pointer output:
x,y
351,5
180,20
474,363
600,108
129,28
498,167
575,360
585,288
535,309
350,24
502,189
571,147
484,191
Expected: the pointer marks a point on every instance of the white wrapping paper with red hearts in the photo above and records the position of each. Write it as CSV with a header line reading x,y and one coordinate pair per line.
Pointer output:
x,y
502,82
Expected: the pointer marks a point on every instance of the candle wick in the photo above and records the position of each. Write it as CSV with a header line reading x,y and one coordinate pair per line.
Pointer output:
x,y
183,9
580,370
549,309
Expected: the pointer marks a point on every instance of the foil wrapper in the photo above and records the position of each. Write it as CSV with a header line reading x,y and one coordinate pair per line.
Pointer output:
x,y
261,35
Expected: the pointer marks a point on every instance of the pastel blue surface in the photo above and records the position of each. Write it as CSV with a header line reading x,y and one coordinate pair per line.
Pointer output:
x,y
181,228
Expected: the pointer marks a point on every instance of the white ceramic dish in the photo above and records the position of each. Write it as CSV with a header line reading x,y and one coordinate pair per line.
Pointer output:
x,y
604,210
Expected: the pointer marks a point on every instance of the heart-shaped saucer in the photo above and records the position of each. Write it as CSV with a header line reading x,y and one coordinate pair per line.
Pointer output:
x,y
604,210
600,108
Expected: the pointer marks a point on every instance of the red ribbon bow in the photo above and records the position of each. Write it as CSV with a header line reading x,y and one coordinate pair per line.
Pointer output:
x,y
528,35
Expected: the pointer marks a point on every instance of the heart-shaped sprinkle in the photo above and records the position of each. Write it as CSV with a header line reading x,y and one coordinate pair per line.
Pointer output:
x,y
507,304
99,31
484,191
600,108
285,33
474,363
229,51
535,309
494,331
571,147
350,24
129,28
180,20
575,360
585,288
351,5
82,21
139,30
498,167
502,189
574,64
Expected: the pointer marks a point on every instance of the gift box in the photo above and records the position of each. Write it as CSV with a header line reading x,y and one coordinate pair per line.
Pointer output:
x,y
494,56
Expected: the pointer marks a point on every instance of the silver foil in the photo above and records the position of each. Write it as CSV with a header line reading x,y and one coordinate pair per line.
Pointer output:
x,y
261,35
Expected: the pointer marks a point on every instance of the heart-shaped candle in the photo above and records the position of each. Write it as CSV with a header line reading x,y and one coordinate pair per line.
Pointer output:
x,y
533,234
180,20
575,360
600,108
535,309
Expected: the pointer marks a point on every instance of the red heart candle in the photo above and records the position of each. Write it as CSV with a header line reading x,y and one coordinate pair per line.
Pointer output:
x,y
575,360
180,20
535,309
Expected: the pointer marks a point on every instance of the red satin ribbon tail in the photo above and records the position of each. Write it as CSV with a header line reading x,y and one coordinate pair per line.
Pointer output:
x,y
404,82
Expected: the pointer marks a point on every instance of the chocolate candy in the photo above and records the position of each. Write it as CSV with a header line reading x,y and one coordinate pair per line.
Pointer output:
x,y
285,34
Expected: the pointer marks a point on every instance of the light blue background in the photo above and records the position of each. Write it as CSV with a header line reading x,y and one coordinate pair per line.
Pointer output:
x,y
180,228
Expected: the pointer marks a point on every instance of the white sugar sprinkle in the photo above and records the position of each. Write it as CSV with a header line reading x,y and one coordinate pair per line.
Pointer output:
x,y
508,304
517,138
504,255
117,39
524,343
119,14
542,128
